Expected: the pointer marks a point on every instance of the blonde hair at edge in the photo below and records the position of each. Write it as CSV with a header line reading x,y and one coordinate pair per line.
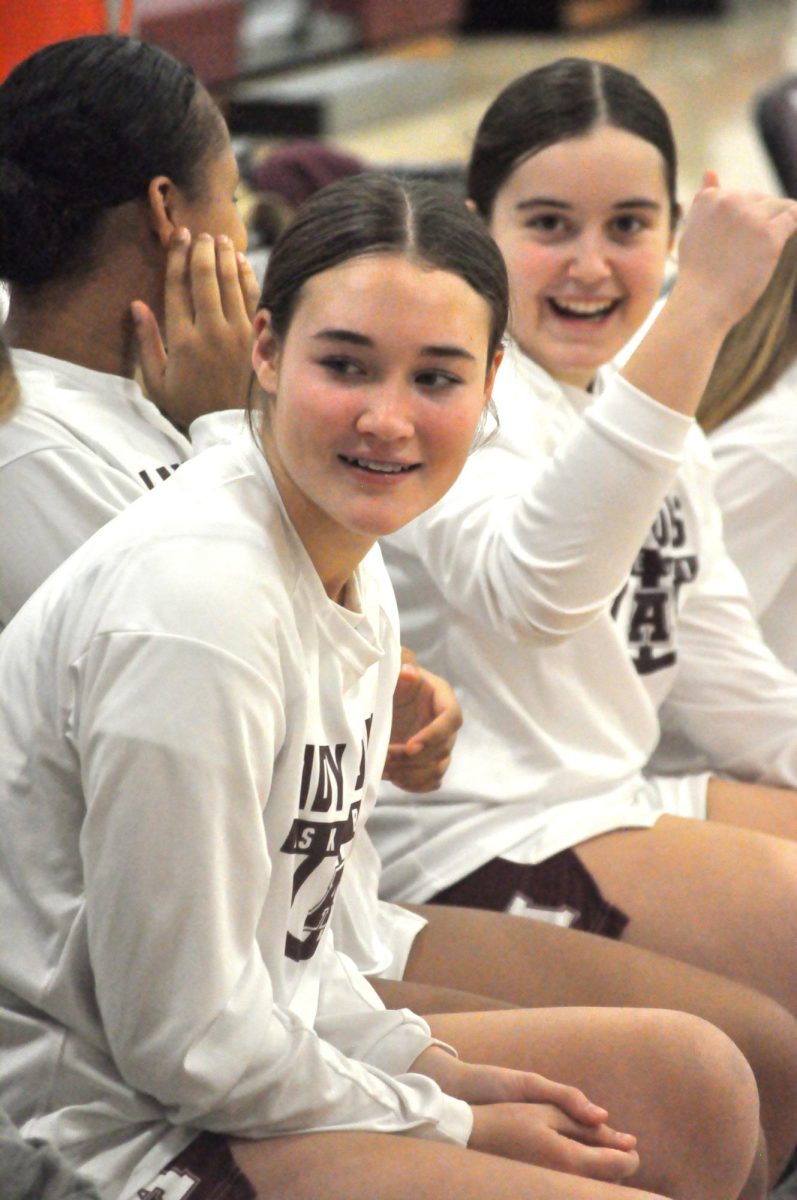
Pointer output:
x,y
757,350
9,391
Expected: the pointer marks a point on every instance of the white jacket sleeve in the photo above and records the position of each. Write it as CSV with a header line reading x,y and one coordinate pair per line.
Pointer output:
x,y
51,502
538,546
53,498
178,741
733,702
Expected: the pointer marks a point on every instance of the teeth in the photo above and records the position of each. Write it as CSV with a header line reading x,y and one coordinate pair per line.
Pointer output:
x,y
584,308
387,468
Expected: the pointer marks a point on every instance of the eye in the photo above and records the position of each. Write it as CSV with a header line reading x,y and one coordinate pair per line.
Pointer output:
x,y
434,380
628,224
341,367
548,226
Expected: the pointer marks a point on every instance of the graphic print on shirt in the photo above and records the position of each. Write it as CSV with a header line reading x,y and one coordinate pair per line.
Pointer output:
x,y
329,808
163,474
647,607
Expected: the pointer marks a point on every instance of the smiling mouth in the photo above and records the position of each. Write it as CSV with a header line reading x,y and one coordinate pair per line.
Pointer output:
x,y
583,310
375,467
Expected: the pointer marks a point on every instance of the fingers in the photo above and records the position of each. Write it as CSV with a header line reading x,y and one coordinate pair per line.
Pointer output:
x,y
597,1135
571,1100
206,284
599,1152
415,775
594,1162
729,248
151,352
436,736
438,712
249,285
542,1134
179,309
426,718
208,330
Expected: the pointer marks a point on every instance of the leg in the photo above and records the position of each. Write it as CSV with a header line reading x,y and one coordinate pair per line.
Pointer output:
x,y
376,1166
532,965
714,895
753,806
676,1082
431,998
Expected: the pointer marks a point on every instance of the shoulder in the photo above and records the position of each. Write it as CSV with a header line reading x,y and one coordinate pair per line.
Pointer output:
x,y
767,427
205,556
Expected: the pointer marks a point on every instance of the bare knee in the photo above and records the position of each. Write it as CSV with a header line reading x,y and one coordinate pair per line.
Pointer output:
x,y
769,1040
708,1088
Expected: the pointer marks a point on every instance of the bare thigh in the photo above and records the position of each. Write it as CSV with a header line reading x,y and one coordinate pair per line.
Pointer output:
x,y
711,894
429,998
373,1166
753,806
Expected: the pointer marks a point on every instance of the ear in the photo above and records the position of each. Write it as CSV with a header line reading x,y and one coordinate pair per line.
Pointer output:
x,y
162,198
265,353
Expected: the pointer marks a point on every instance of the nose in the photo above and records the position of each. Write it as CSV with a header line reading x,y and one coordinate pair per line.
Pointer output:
x,y
589,262
387,414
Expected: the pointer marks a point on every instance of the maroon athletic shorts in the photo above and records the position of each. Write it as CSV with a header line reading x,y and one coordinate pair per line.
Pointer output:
x,y
204,1170
560,891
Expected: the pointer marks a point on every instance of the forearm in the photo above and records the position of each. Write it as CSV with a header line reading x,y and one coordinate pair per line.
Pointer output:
x,y
673,363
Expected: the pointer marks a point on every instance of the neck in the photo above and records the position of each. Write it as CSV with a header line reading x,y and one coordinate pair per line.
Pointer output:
x,y
86,330
334,551
85,319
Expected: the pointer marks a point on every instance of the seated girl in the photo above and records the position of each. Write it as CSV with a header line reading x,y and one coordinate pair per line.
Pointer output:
x,y
573,584
201,706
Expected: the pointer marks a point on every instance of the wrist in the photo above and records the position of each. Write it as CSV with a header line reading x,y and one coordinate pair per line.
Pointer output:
x,y
702,309
444,1068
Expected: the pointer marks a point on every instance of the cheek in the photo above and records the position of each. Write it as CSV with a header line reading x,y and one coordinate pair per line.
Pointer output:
x,y
531,268
645,274
451,435
313,416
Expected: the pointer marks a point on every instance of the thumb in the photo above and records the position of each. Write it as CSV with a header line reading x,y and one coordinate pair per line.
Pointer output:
x,y
151,351
710,180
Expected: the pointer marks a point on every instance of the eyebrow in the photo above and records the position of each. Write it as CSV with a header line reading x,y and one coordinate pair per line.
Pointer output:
x,y
564,206
349,337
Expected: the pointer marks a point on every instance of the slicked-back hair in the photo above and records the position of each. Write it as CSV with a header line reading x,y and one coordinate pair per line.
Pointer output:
x,y
85,125
373,213
565,99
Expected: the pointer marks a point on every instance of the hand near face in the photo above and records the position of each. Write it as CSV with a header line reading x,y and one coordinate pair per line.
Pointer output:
x,y
426,718
730,246
210,298
525,1116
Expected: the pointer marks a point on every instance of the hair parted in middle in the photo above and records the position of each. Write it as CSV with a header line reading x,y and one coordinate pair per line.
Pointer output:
x,y
564,99
374,213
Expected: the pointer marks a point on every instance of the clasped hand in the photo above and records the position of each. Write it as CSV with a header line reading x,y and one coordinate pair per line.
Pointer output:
x,y
521,1115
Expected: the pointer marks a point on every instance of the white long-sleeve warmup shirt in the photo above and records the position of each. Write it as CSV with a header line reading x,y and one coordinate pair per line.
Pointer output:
x,y
574,587
756,455
81,446
191,733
